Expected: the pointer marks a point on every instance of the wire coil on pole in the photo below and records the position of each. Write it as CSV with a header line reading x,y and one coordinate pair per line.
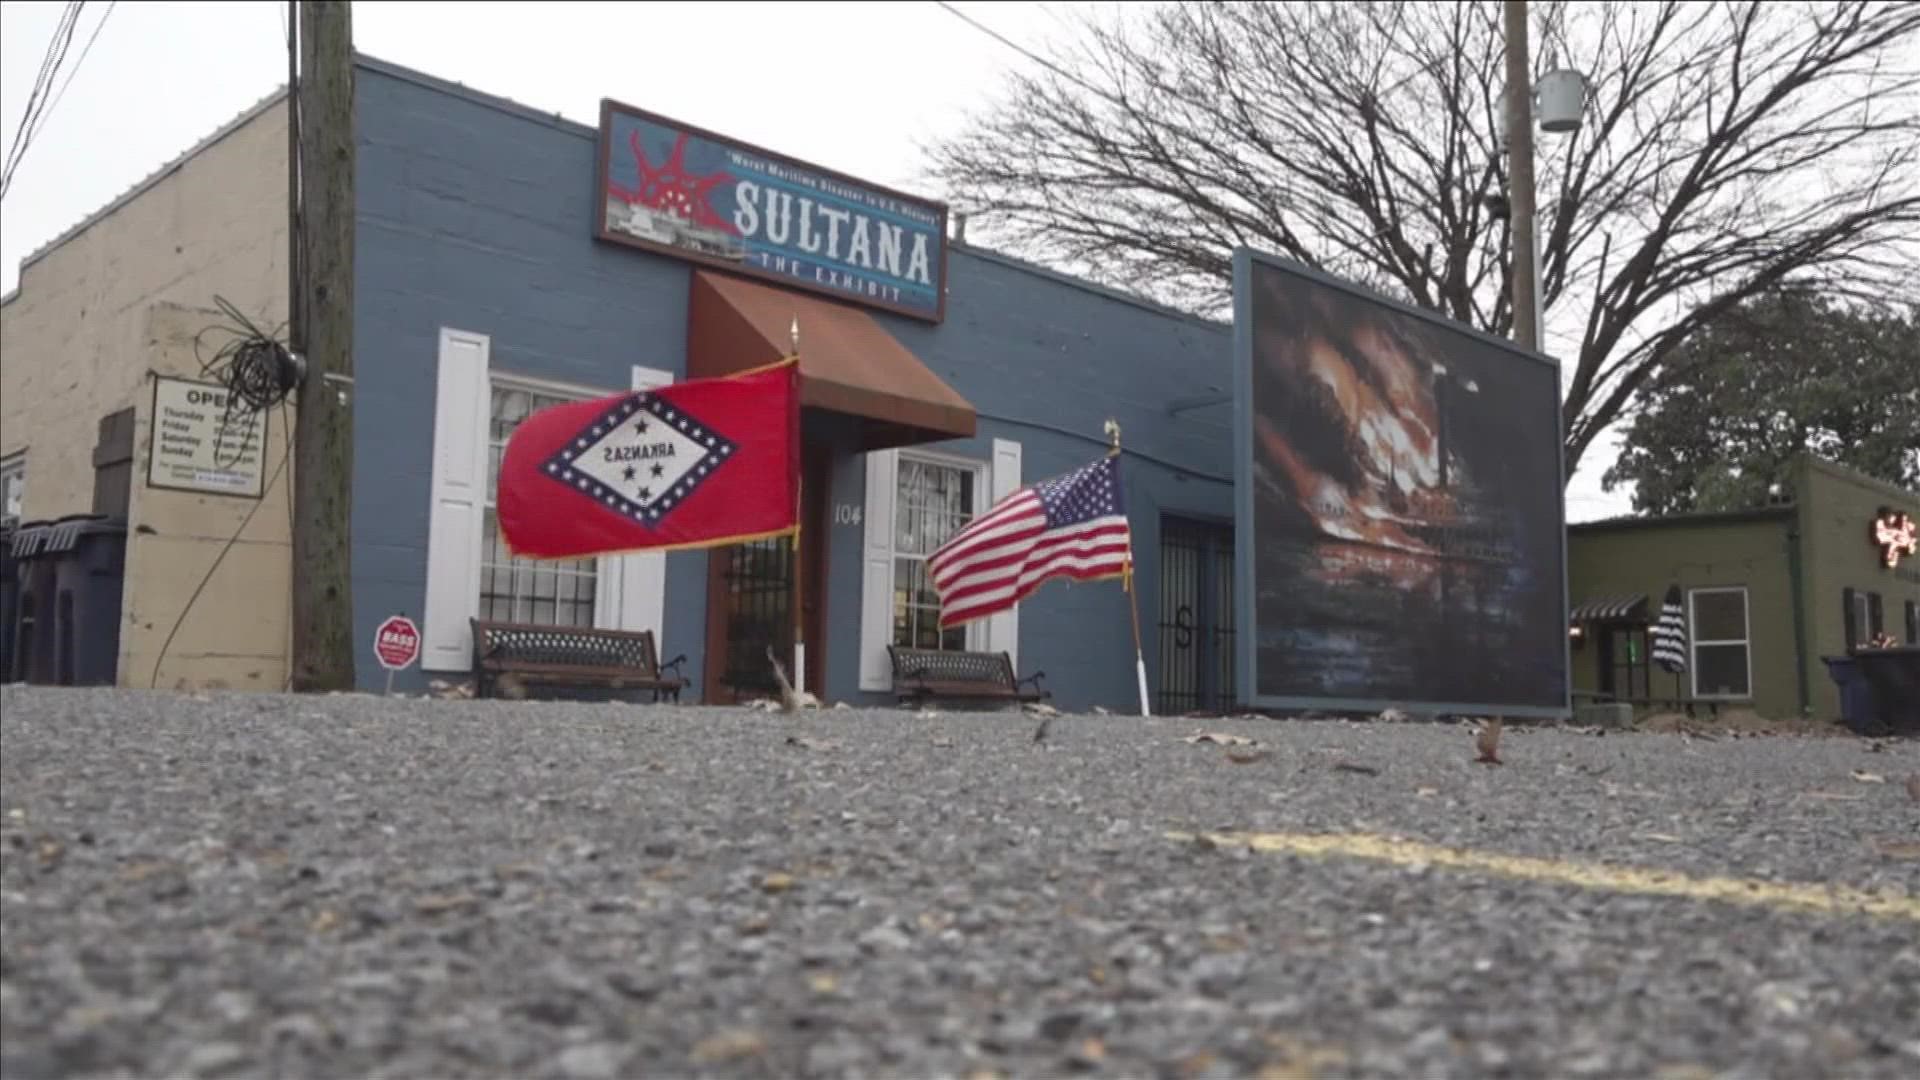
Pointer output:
x,y
255,368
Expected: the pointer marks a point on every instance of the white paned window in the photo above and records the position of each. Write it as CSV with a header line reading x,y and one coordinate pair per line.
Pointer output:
x,y
470,573
1722,643
916,501
13,486
932,501
548,592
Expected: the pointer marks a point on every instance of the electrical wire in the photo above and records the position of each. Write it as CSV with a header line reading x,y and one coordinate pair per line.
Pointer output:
x,y
258,373
1029,54
78,61
256,369
41,81
154,680
50,63
286,450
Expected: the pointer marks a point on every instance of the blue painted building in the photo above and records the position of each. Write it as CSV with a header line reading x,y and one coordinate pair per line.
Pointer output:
x,y
483,292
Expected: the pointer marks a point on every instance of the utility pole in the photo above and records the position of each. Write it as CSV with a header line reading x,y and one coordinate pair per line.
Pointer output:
x,y
323,435
1519,110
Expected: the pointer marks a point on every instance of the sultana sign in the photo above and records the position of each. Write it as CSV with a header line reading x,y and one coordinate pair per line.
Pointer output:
x,y
680,191
1895,536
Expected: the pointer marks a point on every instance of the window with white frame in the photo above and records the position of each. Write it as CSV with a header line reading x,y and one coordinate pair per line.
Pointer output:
x,y
916,500
470,573
13,486
934,499
1720,635
553,593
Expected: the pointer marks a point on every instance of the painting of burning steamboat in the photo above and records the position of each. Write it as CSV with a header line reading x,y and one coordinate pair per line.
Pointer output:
x,y
1400,520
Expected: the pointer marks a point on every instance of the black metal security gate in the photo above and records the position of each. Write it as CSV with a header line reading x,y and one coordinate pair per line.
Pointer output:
x,y
1196,617
759,599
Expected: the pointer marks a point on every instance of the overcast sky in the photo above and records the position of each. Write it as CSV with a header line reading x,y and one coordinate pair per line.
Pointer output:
x,y
858,88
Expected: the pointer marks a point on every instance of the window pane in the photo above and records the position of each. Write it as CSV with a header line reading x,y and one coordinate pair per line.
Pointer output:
x,y
1719,616
934,501
1722,670
521,590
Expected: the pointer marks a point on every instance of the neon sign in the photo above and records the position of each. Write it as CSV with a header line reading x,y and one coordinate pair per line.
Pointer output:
x,y
1894,535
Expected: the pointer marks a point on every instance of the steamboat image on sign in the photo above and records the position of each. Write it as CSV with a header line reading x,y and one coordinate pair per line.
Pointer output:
x,y
1399,498
677,190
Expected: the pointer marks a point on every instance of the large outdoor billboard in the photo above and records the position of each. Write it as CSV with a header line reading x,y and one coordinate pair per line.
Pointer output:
x,y
1401,534
674,189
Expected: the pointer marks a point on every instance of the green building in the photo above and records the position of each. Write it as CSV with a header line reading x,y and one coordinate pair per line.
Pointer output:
x,y
1766,593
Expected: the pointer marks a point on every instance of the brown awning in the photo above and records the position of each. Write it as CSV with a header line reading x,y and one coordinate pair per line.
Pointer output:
x,y
848,362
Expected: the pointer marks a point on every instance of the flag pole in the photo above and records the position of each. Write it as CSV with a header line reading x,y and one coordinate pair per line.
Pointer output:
x,y
799,567
1126,581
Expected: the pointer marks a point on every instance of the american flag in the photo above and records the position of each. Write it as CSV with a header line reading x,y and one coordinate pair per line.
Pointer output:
x,y
1073,525
1670,633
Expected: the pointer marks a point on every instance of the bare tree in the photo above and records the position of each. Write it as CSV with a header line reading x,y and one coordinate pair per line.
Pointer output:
x,y
1726,147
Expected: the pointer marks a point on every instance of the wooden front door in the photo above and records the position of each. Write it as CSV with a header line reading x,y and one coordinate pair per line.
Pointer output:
x,y
750,600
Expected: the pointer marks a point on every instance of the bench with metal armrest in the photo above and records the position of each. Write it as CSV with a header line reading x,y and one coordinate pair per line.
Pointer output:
x,y
571,656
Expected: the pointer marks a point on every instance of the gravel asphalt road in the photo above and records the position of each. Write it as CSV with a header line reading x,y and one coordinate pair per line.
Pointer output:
x,y
352,886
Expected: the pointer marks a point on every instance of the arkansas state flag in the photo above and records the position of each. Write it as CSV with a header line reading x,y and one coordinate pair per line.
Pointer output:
x,y
693,464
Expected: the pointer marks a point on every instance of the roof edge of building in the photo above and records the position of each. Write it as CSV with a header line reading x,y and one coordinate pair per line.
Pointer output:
x,y
559,122
1108,292
587,131
1674,521
1837,471
453,88
140,187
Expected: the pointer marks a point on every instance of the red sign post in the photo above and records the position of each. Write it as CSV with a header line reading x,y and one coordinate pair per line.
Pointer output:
x,y
397,644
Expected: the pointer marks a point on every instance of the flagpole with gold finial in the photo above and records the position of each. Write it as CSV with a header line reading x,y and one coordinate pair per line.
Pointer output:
x,y
799,567
1126,581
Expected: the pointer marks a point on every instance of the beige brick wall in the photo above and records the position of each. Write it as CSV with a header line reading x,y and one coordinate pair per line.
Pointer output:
x,y
95,317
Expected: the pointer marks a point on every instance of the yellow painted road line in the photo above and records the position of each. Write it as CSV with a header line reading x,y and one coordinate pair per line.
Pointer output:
x,y
1623,879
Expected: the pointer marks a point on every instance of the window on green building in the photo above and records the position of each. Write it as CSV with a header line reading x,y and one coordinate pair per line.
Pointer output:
x,y
1722,655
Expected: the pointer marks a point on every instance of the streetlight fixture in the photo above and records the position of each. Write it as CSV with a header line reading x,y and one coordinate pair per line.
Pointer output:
x,y
1560,99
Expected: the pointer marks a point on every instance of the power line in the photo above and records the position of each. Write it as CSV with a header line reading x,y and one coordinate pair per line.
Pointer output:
x,y
50,62
257,371
81,59
41,80
1029,54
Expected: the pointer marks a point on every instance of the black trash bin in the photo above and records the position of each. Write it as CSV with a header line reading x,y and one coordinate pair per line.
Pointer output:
x,y
33,654
89,554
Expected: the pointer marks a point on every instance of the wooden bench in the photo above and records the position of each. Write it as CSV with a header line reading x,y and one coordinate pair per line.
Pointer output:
x,y
571,656
921,674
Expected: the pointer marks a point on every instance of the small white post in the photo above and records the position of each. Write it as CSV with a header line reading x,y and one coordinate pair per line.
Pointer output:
x,y
1140,669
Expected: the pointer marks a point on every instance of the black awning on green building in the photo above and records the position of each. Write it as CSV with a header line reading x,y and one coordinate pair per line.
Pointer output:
x,y
1632,607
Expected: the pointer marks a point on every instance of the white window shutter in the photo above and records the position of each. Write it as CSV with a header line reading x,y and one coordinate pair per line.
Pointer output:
x,y
459,492
876,572
635,586
1003,629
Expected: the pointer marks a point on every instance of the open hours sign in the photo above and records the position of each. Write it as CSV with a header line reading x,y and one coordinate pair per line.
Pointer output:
x,y
201,440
